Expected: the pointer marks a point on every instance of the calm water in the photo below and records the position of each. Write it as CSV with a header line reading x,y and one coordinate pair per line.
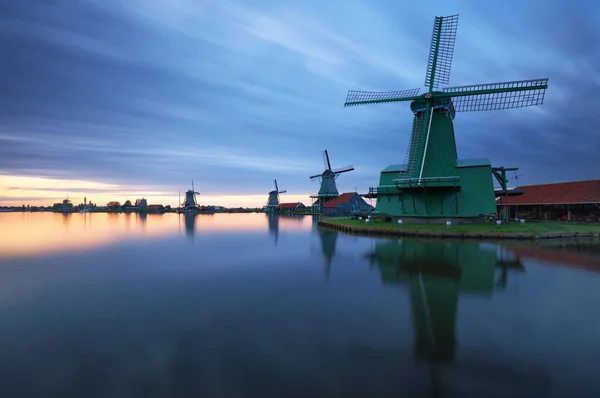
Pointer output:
x,y
241,305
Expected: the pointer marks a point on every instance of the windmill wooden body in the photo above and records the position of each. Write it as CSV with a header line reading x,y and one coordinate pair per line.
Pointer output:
x,y
432,182
328,189
273,200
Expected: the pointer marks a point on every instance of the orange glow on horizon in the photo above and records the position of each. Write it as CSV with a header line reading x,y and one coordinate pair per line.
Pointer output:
x,y
19,190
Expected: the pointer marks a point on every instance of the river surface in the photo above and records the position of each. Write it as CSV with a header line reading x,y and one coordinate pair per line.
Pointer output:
x,y
251,305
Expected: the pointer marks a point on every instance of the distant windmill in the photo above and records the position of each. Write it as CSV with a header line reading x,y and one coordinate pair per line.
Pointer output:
x,y
328,189
273,200
190,202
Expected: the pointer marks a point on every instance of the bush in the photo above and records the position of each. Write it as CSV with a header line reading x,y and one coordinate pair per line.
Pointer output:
x,y
381,217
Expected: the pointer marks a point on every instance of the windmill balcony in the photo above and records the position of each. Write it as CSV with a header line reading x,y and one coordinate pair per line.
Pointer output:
x,y
373,192
382,190
428,182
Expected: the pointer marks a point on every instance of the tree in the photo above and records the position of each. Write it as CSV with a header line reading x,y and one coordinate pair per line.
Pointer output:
x,y
127,203
113,203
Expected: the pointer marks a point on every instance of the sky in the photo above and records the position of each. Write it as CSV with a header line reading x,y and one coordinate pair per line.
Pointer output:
x,y
120,99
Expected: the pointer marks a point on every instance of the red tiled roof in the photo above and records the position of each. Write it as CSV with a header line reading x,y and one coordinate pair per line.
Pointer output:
x,y
343,198
289,205
558,193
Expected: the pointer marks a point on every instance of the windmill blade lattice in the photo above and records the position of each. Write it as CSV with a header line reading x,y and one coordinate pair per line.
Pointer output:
x,y
496,96
374,97
343,169
441,51
277,188
327,162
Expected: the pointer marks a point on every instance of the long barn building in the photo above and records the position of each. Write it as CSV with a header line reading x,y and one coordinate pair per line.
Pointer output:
x,y
568,201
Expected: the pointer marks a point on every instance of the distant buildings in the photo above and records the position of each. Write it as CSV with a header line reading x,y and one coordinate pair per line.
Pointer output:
x,y
65,207
155,208
141,203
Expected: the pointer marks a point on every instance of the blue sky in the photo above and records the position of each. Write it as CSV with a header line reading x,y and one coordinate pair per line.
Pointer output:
x,y
150,94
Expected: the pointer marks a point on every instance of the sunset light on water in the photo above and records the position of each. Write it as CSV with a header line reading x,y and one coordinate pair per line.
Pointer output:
x,y
39,234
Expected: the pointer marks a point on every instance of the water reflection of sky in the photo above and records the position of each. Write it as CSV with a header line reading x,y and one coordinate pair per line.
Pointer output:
x,y
280,307
25,234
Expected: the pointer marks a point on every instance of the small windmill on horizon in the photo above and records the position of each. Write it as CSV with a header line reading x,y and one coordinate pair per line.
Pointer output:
x,y
273,200
328,189
190,198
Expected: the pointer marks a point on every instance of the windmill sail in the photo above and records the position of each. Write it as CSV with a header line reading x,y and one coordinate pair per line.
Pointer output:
x,y
496,96
373,97
441,51
344,169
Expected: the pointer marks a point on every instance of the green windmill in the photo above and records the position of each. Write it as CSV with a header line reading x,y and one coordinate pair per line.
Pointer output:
x,y
433,182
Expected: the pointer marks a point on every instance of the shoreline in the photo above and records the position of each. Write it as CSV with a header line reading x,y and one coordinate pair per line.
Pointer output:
x,y
449,234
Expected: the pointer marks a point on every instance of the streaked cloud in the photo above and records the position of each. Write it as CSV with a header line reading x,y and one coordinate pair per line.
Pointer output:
x,y
153,94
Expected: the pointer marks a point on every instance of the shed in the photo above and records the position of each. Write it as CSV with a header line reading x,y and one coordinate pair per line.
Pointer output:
x,y
155,208
347,203
577,200
290,206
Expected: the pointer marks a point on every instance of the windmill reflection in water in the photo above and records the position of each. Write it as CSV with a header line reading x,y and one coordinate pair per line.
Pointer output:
x,y
436,274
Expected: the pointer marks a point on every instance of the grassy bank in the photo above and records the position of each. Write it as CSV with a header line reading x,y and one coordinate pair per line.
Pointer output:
x,y
531,230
